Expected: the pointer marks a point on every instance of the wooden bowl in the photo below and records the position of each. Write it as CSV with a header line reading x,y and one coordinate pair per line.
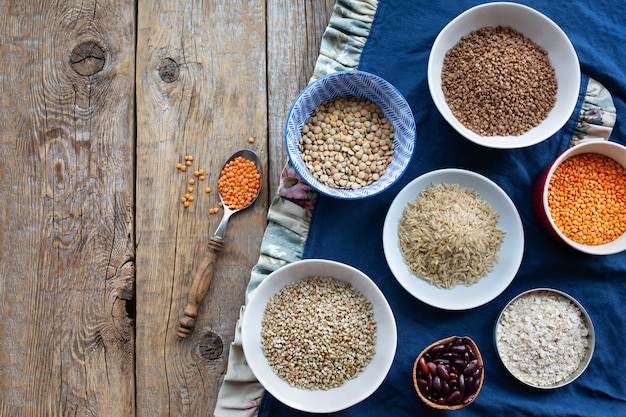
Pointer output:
x,y
453,401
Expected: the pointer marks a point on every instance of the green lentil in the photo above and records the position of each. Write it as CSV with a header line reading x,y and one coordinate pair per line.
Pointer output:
x,y
348,138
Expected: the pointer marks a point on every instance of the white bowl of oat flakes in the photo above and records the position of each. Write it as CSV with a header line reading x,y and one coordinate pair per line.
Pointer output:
x,y
544,338
504,75
319,335
350,134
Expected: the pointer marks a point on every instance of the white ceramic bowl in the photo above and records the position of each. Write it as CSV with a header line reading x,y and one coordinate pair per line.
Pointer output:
x,y
361,85
460,297
610,149
354,390
541,30
588,354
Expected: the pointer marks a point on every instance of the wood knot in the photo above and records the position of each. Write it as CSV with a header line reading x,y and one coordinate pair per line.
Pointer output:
x,y
211,346
169,70
87,58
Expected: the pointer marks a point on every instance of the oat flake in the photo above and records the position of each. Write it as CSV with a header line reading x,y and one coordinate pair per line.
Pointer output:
x,y
542,338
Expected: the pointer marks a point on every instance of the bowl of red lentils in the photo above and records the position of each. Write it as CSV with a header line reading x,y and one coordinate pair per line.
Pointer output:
x,y
319,335
503,75
580,199
350,134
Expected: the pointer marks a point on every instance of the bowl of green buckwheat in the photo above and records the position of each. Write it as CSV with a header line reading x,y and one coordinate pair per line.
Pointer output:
x,y
319,335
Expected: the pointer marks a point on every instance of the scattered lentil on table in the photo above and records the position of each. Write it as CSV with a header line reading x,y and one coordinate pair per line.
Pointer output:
x,y
239,183
318,332
498,82
587,198
347,142
449,235
542,338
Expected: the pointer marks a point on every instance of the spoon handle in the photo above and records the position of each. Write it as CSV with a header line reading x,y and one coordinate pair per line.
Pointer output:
x,y
199,288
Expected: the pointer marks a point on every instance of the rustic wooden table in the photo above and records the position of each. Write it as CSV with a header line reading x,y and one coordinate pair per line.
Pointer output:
x,y
99,102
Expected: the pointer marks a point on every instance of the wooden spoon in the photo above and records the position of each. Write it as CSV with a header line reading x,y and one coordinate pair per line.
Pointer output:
x,y
202,279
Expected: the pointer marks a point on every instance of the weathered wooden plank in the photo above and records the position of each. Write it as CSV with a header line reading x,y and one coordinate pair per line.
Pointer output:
x,y
201,91
66,212
295,29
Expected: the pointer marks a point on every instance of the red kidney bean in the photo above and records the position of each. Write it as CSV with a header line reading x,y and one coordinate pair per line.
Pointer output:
x,y
437,349
455,398
432,368
436,386
423,386
458,349
469,399
422,365
459,363
452,384
443,372
449,373
471,367
476,384
461,382
469,386
449,355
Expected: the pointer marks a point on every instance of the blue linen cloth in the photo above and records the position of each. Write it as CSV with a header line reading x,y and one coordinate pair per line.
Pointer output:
x,y
351,231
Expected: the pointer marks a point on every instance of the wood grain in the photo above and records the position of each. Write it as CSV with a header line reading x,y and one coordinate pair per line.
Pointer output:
x,y
217,102
295,30
67,260
99,102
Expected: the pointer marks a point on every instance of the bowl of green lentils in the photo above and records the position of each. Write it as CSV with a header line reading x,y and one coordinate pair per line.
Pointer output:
x,y
504,75
350,134
319,335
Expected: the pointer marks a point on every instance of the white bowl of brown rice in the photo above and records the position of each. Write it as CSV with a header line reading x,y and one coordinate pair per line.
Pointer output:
x,y
453,239
319,335
503,75
544,338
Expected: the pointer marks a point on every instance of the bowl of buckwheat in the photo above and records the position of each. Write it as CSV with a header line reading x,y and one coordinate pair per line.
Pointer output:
x,y
503,75
319,335
544,338
350,134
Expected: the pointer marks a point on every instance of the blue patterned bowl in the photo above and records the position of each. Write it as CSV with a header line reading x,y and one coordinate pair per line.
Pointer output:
x,y
361,85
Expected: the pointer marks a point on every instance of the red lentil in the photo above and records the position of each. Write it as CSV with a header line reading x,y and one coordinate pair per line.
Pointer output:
x,y
239,183
587,198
